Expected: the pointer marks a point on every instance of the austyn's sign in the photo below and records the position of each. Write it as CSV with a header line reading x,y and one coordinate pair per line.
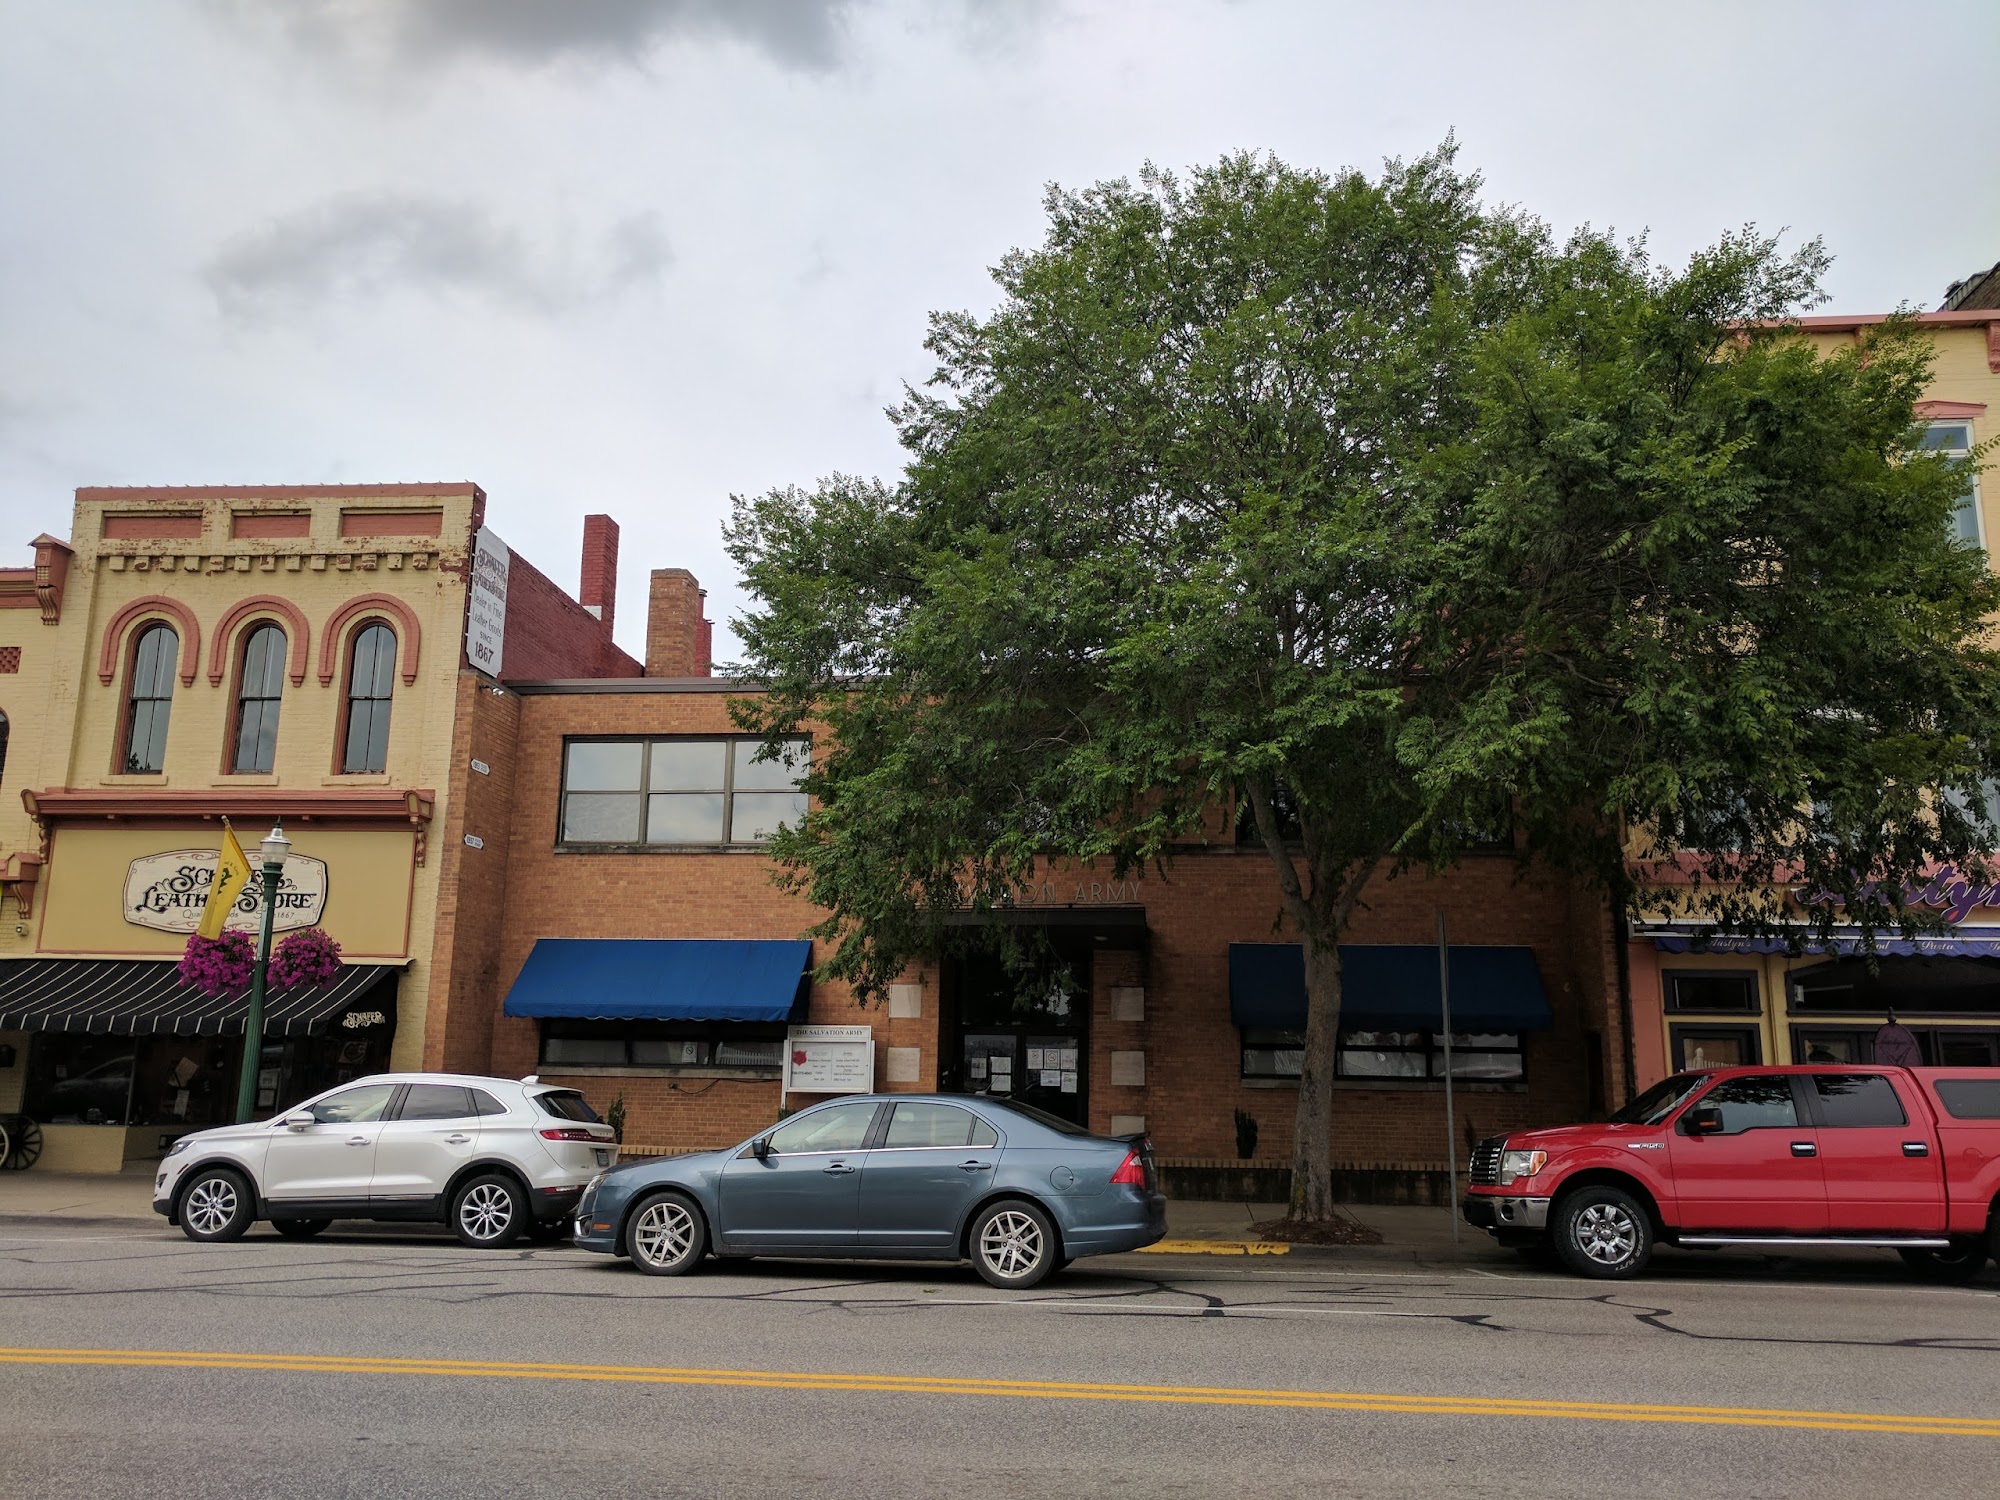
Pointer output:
x,y
168,891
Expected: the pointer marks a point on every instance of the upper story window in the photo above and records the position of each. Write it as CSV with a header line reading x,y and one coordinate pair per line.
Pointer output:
x,y
3,746
679,792
260,687
1954,440
149,700
371,675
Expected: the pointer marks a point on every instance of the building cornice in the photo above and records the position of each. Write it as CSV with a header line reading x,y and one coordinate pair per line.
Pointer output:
x,y
358,807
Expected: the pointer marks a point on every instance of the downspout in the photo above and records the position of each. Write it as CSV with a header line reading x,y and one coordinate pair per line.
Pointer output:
x,y
1621,939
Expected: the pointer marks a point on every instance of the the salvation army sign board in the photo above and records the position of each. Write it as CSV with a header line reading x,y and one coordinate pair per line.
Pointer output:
x,y
486,609
168,891
830,1060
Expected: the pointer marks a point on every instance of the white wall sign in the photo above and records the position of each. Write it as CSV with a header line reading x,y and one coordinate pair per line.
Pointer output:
x,y
486,611
830,1060
168,891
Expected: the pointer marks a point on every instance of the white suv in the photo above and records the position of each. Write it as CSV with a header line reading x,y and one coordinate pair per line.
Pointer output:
x,y
493,1157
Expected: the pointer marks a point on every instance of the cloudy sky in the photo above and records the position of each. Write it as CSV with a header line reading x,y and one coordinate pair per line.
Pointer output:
x,y
636,255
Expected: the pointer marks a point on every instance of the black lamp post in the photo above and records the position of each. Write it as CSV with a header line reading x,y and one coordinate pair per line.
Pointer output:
x,y
274,849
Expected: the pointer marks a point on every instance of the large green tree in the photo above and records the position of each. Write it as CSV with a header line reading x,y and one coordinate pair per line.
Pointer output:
x,y
1366,509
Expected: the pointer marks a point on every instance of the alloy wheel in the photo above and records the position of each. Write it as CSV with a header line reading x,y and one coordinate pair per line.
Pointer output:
x,y
664,1232
211,1205
486,1211
1606,1233
1011,1243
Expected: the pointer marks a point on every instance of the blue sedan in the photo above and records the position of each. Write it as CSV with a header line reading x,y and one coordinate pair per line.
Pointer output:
x,y
1018,1192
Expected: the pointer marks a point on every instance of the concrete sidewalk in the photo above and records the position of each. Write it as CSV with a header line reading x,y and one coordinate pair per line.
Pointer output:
x,y
1421,1234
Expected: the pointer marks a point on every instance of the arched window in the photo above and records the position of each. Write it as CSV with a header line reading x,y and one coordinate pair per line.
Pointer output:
x,y
260,688
371,672
3,745
149,700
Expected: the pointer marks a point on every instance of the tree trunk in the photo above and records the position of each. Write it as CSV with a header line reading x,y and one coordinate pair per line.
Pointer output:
x,y
1312,1131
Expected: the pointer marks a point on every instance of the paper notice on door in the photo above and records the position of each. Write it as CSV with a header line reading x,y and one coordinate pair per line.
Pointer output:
x,y
1052,1078
975,1067
1034,1059
1068,1063
1069,1080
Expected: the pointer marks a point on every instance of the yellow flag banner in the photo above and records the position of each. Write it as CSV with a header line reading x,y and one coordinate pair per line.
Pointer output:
x,y
232,873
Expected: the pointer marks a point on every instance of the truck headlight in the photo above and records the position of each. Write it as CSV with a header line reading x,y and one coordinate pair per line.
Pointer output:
x,y
1517,1165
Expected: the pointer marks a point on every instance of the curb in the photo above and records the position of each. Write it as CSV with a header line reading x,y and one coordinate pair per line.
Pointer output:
x,y
1216,1247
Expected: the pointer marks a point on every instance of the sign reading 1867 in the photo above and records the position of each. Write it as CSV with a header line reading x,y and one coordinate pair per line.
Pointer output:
x,y
167,892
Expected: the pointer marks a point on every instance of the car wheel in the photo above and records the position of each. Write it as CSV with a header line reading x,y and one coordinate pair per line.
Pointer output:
x,y
216,1206
666,1235
299,1229
1964,1260
1603,1232
489,1211
1014,1245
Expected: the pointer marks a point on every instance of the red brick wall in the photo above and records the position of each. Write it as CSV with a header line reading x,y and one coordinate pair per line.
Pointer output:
x,y
1210,899
463,982
598,582
551,636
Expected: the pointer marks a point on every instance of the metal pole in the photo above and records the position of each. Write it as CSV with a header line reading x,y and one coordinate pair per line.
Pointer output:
x,y
1450,1117
253,1020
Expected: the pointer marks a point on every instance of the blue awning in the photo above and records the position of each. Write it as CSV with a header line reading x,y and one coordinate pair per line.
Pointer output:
x,y
1391,987
660,979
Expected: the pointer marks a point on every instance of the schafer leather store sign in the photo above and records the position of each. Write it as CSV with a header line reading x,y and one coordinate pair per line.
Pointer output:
x,y
121,890
168,892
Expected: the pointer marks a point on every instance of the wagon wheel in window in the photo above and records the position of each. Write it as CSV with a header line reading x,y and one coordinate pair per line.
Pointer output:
x,y
24,1144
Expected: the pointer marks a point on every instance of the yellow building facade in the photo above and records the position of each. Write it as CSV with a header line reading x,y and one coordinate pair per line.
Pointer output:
x,y
294,655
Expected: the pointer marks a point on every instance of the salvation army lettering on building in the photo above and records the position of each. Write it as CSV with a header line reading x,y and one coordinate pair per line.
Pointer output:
x,y
168,891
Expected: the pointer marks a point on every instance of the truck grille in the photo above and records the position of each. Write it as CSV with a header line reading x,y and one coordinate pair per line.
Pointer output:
x,y
1486,1161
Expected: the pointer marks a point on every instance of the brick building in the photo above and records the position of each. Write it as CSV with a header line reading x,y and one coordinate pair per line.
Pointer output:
x,y
612,857
293,653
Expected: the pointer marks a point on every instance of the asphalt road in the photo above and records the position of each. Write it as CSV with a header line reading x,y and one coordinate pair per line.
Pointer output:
x,y
395,1363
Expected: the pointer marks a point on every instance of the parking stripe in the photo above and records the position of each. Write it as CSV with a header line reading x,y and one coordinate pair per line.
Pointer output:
x,y
1509,1409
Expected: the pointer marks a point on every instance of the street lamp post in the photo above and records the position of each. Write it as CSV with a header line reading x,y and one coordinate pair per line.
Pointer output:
x,y
274,849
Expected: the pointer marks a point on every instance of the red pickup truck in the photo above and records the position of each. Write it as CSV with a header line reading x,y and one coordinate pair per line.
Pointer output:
x,y
1903,1158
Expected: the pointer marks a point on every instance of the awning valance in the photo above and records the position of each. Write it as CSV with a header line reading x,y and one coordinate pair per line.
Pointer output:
x,y
662,979
1965,942
145,997
1389,987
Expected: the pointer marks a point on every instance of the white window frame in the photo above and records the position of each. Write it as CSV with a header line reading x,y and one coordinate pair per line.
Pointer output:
x,y
1971,442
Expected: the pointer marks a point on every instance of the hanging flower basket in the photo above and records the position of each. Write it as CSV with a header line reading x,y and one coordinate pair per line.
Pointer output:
x,y
307,957
217,965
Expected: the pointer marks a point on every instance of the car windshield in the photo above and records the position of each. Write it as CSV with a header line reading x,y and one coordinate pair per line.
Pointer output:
x,y
1659,1101
567,1104
1040,1116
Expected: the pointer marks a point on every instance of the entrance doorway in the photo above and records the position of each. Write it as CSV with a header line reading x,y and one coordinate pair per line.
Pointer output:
x,y
1024,1033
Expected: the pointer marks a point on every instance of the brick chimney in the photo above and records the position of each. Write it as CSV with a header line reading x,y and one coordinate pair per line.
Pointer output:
x,y
677,637
598,590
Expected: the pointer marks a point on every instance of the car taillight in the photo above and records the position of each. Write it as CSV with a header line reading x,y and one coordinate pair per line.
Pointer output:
x,y
1131,1171
568,1133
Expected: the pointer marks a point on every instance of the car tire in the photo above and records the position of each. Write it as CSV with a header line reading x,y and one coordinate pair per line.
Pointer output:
x,y
489,1211
300,1229
1963,1261
1014,1245
1603,1232
216,1205
666,1235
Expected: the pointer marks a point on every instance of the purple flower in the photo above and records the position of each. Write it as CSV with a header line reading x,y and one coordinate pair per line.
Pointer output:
x,y
216,965
306,957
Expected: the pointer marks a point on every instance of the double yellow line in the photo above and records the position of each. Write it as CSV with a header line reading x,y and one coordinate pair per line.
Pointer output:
x,y
1047,1390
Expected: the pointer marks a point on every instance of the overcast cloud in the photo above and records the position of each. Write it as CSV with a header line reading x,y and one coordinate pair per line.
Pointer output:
x,y
634,255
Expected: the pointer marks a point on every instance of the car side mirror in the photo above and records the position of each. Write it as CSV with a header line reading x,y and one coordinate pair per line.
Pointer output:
x,y
1705,1119
300,1120
761,1147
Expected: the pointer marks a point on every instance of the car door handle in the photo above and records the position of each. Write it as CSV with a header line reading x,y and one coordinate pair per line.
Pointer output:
x,y
357,1140
1804,1148
838,1169
975,1166
458,1139
1916,1148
